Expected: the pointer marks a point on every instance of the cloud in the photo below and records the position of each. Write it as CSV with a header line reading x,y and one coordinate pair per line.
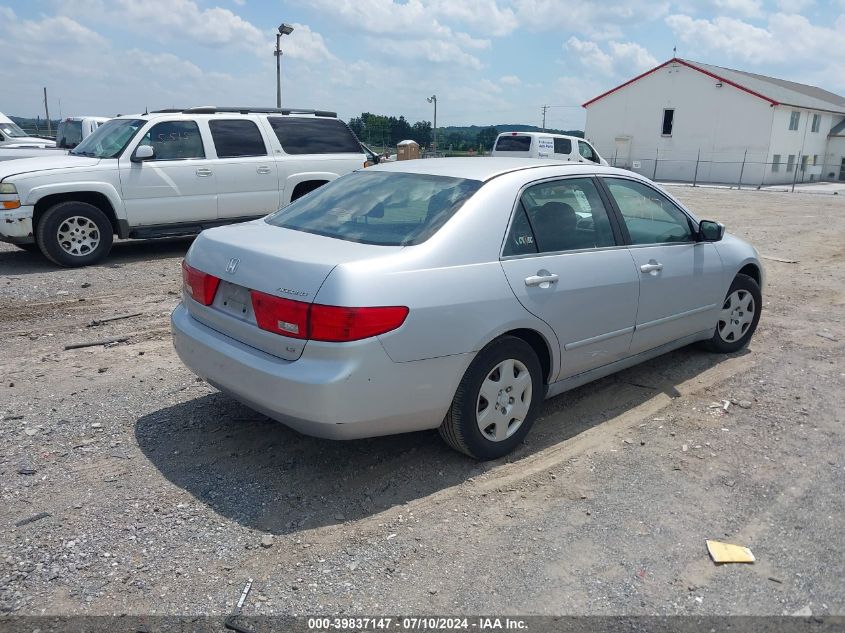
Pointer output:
x,y
412,30
621,58
510,80
598,20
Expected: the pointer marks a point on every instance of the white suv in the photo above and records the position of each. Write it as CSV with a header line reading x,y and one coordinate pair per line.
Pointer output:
x,y
170,172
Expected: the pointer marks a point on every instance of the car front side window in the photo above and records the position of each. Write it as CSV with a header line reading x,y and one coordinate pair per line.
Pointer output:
x,y
649,216
175,140
587,152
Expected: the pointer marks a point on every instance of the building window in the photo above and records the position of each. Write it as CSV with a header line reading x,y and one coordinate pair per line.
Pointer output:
x,y
805,160
817,122
790,162
815,160
775,163
794,119
668,121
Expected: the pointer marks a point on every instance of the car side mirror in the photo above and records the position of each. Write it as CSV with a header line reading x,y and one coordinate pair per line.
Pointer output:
x,y
710,231
142,153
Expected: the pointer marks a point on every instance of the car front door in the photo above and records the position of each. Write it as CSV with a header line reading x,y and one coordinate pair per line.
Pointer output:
x,y
247,176
563,261
681,279
176,185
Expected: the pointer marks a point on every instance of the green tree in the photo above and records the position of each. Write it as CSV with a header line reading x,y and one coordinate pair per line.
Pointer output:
x,y
486,138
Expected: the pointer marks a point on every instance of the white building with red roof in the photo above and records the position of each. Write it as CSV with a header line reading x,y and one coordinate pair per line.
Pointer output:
x,y
685,121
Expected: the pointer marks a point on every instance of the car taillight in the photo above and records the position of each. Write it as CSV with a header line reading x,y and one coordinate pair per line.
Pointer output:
x,y
281,316
337,324
201,286
321,322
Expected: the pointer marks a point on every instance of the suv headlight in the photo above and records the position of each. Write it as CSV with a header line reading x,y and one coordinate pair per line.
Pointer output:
x,y
7,187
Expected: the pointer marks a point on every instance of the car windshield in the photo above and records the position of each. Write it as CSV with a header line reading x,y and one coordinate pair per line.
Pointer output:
x,y
12,130
69,133
110,139
384,208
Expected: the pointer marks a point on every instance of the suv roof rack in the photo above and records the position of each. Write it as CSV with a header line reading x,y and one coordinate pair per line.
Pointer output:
x,y
245,110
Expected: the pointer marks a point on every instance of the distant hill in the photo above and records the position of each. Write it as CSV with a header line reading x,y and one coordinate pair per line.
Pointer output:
x,y
473,130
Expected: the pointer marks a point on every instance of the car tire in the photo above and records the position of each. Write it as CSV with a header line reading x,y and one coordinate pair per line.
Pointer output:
x,y
738,316
492,412
73,234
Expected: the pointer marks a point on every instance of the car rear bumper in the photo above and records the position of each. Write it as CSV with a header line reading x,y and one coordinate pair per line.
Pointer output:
x,y
337,391
16,225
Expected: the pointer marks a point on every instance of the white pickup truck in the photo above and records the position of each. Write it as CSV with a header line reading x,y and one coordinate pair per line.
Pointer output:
x,y
13,136
170,172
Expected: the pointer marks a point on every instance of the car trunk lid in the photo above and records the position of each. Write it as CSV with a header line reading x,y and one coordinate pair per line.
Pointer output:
x,y
269,259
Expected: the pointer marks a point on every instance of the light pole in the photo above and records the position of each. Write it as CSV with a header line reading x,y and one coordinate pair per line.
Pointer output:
x,y
284,29
433,99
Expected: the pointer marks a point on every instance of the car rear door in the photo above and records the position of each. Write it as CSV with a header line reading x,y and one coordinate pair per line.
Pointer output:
x,y
246,172
177,186
680,278
565,263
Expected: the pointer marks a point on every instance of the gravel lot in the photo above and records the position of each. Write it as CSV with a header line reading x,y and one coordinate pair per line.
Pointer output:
x,y
162,495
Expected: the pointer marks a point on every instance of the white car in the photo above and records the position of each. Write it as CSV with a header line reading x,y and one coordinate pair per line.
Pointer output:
x,y
11,135
545,145
171,172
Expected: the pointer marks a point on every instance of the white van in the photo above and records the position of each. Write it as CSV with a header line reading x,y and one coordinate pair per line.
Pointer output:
x,y
545,145
73,129
13,136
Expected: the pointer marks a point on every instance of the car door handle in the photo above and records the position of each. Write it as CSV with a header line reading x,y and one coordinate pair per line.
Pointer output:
x,y
203,171
543,279
263,169
652,267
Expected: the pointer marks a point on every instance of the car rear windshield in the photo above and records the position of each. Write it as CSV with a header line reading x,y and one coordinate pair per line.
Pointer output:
x,y
384,208
69,134
513,144
314,136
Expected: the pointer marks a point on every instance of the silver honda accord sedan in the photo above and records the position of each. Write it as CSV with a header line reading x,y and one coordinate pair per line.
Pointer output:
x,y
456,294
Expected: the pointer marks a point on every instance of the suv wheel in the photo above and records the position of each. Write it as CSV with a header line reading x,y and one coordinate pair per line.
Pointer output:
x,y
74,234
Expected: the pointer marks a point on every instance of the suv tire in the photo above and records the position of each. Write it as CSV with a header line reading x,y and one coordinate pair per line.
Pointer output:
x,y
73,234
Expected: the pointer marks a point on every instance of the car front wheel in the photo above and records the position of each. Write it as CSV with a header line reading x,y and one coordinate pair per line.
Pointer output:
x,y
74,234
738,316
497,400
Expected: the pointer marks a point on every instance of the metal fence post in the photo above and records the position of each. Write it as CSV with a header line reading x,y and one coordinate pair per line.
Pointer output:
x,y
742,169
615,154
795,172
695,176
654,173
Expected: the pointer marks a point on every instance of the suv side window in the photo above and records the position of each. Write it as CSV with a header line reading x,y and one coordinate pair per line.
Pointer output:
x,y
587,152
651,218
563,146
314,136
237,137
175,140
559,215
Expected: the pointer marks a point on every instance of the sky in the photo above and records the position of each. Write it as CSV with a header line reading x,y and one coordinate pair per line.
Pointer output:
x,y
488,61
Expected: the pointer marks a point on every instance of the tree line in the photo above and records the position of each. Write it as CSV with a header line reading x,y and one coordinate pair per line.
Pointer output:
x,y
386,131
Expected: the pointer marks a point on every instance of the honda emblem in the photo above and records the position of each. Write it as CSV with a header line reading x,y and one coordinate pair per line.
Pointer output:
x,y
233,265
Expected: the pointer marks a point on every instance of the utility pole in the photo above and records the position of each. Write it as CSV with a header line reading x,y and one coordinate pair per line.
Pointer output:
x,y
433,99
47,112
545,107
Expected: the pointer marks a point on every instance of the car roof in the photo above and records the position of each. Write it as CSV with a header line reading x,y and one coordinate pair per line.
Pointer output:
x,y
484,168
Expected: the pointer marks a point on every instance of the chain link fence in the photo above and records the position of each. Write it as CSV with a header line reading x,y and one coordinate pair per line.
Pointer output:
x,y
740,168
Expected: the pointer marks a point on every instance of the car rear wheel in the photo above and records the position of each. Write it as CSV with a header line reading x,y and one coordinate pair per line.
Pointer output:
x,y
74,234
738,316
497,400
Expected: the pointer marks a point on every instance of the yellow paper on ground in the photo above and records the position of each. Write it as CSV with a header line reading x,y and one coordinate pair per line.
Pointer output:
x,y
727,553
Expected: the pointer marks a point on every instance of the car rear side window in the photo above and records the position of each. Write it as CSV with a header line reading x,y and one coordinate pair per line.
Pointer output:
x,y
561,215
519,143
389,209
175,140
563,146
650,217
314,136
235,137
